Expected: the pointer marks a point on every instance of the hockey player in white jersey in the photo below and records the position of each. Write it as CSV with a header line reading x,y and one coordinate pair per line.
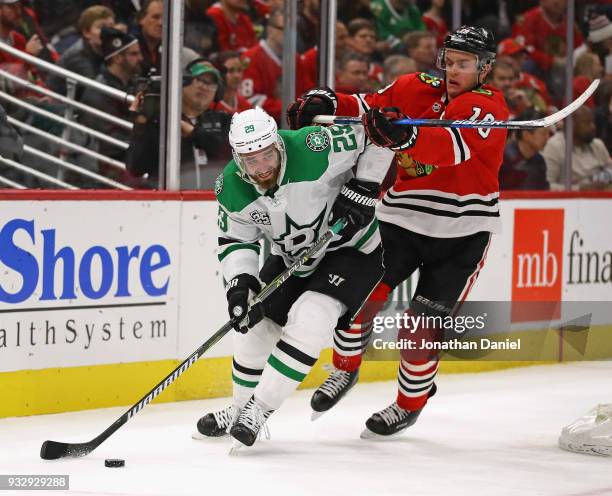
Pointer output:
x,y
289,186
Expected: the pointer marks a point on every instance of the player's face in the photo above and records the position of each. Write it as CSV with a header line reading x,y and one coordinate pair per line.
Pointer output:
x,y
262,166
461,72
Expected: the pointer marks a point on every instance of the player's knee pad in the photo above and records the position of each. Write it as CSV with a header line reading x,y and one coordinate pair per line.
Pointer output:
x,y
312,319
253,348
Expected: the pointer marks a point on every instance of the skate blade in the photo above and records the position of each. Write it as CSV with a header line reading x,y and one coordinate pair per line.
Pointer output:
x,y
198,436
372,436
315,415
236,446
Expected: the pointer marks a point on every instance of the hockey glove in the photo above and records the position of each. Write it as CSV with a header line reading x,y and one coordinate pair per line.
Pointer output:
x,y
382,132
356,203
238,293
319,101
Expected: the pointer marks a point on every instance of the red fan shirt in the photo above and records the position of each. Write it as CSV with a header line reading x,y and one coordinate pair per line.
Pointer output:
x,y
232,36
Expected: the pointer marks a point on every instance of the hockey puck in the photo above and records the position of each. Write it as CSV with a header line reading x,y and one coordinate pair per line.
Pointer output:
x,y
114,462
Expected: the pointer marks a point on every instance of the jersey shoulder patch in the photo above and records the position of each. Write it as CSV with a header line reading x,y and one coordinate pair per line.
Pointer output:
x,y
434,81
233,192
483,91
307,152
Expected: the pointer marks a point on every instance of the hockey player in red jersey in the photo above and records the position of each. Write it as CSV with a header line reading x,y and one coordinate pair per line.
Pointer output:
x,y
438,216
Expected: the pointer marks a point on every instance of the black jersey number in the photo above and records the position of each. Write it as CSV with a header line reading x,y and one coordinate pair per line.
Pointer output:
x,y
483,131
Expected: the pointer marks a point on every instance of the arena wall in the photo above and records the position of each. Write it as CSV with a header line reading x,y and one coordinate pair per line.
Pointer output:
x,y
103,293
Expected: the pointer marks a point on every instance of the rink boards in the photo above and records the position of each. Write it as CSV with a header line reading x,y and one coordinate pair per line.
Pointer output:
x,y
103,293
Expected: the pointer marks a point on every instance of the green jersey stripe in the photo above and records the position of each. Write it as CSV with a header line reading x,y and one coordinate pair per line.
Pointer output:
x,y
367,235
285,370
242,382
238,246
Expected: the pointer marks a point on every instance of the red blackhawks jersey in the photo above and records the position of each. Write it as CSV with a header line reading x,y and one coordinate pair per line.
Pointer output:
x,y
447,183
262,79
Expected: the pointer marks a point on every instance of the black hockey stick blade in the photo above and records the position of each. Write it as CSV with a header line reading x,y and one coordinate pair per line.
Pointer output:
x,y
52,450
462,123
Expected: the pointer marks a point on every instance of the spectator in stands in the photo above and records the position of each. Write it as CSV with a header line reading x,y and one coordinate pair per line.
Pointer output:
x,y
310,58
395,66
590,160
362,40
150,20
504,77
122,58
234,26
543,28
11,148
231,67
523,166
434,21
352,74
394,18
603,113
514,51
587,68
200,31
308,24
30,28
85,56
353,9
421,47
262,76
204,146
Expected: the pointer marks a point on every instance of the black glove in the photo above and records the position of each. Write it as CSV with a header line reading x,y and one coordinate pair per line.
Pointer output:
x,y
238,293
382,132
319,101
355,203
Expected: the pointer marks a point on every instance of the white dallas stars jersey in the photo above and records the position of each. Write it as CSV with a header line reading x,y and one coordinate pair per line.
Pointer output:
x,y
292,218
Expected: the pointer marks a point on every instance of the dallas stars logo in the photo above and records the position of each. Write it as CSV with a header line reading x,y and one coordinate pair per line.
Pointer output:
x,y
298,238
317,141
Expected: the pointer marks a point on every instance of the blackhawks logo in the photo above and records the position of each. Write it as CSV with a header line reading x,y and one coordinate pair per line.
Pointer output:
x,y
219,184
317,141
428,79
412,167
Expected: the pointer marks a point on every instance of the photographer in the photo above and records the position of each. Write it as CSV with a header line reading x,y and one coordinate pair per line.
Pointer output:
x,y
204,146
122,59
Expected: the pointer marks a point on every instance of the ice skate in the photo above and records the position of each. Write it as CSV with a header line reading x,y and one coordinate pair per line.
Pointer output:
x,y
216,424
335,387
248,426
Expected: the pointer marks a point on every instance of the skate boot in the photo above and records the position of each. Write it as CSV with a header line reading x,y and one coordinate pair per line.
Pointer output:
x,y
250,422
216,424
332,391
392,420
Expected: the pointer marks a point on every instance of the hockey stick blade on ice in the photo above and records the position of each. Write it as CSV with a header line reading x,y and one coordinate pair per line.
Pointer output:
x,y
52,450
536,123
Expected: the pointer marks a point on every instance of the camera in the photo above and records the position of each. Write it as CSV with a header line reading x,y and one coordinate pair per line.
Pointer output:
x,y
150,105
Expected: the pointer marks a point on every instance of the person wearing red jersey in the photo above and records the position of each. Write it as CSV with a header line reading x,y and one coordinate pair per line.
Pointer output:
x,y
544,28
236,31
438,216
230,65
262,76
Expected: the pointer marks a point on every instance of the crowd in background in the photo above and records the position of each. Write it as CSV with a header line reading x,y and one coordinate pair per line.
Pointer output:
x,y
232,61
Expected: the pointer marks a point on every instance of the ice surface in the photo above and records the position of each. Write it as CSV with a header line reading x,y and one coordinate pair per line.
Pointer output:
x,y
482,434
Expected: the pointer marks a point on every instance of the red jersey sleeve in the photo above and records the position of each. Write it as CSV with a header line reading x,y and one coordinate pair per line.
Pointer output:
x,y
413,94
450,146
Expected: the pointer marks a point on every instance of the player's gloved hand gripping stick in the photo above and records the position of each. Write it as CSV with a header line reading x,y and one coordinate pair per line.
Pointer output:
x,y
52,450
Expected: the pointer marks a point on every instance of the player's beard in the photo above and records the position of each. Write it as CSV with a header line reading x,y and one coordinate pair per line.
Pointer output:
x,y
269,182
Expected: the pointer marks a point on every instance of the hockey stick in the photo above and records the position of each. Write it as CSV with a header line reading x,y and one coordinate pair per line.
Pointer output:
x,y
52,450
536,123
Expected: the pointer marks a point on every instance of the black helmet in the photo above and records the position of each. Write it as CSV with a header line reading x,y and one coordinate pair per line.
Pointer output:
x,y
479,41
